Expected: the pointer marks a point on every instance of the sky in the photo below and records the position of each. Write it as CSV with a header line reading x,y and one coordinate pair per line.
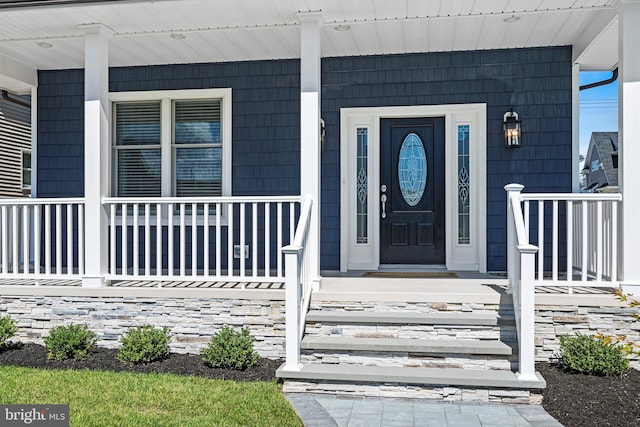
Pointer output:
x,y
598,107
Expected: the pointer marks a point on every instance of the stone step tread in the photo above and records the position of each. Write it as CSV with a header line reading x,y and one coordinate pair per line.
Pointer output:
x,y
461,346
404,318
400,375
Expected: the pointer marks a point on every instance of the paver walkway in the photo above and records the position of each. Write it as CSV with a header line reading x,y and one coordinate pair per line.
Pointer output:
x,y
317,410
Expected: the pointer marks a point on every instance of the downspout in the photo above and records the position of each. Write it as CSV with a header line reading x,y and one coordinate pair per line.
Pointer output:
x,y
6,97
613,78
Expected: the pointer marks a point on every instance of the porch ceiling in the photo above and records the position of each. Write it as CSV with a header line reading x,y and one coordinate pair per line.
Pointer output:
x,y
236,30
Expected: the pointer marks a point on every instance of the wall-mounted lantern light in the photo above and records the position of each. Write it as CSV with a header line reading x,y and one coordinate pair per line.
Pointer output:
x,y
511,127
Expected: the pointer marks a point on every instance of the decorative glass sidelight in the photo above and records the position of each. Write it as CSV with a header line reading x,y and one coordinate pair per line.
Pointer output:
x,y
412,169
464,233
362,190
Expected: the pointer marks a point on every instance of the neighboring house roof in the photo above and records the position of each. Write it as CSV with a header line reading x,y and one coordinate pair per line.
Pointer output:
x,y
601,160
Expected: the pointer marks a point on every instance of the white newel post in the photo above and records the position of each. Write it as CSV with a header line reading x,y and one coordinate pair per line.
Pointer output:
x,y
526,342
96,151
311,24
292,308
513,190
629,147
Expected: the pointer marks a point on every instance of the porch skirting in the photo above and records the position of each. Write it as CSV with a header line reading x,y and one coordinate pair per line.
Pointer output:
x,y
192,320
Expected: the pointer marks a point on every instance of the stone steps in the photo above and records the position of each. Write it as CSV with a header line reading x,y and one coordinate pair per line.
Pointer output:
x,y
411,353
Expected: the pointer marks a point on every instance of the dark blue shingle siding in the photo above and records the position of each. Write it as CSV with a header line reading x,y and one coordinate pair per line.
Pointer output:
x,y
266,104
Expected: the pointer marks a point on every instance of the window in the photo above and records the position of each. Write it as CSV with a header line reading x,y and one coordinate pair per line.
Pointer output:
x,y
26,172
595,165
171,143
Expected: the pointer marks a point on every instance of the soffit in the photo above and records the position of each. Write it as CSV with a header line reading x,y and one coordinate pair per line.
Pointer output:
x,y
225,30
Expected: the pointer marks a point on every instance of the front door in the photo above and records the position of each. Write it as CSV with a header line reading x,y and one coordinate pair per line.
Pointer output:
x,y
412,201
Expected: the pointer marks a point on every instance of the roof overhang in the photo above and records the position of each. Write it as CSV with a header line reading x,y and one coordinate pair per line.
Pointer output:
x,y
41,34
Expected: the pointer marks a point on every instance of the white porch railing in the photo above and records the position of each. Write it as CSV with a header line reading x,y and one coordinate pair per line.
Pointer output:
x,y
221,238
579,251
42,238
297,288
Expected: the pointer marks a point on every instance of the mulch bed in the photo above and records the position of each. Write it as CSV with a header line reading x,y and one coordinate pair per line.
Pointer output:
x,y
573,399
104,359
588,400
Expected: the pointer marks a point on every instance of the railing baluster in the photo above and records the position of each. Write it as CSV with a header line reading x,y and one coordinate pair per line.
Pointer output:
x,y
292,221
25,238
267,239
599,246
36,240
242,239
279,220
254,241
569,215
69,238
614,241
585,240
112,243
15,240
5,242
526,218
136,239
541,240
147,239
170,239
158,239
554,240
183,240
194,240
218,240
205,239
58,238
230,239
47,239
81,236
124,267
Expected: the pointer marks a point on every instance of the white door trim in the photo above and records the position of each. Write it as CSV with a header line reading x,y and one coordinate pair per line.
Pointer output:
x,y
364,256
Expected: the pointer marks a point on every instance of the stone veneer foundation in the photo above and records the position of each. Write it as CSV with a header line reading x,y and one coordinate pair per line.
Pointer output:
x,y
192,320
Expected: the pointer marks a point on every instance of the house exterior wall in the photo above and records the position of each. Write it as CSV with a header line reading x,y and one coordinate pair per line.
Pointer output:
x,y
266,105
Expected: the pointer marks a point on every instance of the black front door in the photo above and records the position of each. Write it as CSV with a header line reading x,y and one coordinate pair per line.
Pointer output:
x,y
412,222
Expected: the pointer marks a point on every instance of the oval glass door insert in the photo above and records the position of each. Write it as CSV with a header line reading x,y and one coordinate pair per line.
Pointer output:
x,y
412,169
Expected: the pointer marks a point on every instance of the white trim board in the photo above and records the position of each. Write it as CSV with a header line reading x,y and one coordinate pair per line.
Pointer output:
x,y
471,257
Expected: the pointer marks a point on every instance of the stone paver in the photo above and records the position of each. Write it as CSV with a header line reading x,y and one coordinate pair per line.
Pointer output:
x,y
325,410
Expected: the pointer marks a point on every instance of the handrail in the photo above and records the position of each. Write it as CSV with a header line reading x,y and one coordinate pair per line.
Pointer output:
x,y
297,287
613,197
190,200
40,201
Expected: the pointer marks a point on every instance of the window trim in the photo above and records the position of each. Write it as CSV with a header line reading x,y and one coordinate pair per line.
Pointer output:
x,y
167,97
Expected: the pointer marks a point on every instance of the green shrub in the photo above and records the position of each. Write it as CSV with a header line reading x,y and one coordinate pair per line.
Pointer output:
x,y
597,355
72,341
230,349
7,329
144,344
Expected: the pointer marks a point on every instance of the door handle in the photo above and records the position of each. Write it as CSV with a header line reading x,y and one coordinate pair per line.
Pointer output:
x,y
383,199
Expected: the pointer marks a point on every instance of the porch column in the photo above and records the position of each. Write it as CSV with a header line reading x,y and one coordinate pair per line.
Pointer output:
x,y
96,152
311,24
629,141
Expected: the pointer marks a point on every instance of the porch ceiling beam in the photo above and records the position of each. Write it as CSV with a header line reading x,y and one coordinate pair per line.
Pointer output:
x,y
593,34
17,77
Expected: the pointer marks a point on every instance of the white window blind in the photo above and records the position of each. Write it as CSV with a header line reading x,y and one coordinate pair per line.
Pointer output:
x,y
197,148
137,146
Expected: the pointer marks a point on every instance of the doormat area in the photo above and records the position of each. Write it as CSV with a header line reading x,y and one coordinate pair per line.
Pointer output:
x,y
412,274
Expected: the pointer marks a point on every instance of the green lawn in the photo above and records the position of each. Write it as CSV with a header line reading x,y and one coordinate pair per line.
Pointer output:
x,y
128,399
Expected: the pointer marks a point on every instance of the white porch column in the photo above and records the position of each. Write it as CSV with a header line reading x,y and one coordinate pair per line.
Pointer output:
x,y
311,24
629,140
96,151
